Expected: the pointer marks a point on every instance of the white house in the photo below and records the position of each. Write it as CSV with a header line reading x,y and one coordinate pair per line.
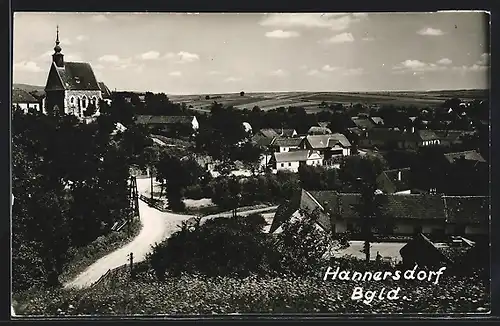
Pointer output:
x,y
291,161
329,146
24,101
281,145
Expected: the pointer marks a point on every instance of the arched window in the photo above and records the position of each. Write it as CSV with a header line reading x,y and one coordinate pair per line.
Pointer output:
x,y
85,102
72,101
95,100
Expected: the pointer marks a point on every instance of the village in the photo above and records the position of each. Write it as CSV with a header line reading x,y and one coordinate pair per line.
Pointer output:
x,y
355,183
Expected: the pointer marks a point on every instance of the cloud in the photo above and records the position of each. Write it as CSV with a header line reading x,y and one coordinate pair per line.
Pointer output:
x,y
98,67
279,33
232,79
81,38
73,57
151,55
445,61
429,31
333,21
214,72
368,38
329,68
340,38
303,67
27,66
99,18
279,73
109,58
473,68
313,72
183,57
417,66
353,72
175,74
116,62
484,59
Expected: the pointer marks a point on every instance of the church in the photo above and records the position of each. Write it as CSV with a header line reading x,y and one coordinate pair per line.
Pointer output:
x,y
72,87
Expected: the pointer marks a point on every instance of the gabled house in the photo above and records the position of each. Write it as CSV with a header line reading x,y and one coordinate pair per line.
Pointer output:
x,y
291,161
395,181
319,130
410,214
363,123
329,146
420,138
164,121
271,133
470,156
377,121
280,145
24,101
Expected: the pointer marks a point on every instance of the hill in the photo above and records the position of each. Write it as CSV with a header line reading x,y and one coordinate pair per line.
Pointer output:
x,y
29,88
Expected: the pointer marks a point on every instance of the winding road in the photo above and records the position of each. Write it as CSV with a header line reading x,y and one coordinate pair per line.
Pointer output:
x,y
156,226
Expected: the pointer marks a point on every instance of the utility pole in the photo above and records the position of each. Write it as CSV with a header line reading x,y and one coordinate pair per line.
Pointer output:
x,y
151,172
131,258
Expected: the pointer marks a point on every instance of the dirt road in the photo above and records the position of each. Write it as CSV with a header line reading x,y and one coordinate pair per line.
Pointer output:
x,y
156,226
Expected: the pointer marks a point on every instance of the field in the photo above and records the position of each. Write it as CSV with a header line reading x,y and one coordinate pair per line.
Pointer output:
x,y
311,100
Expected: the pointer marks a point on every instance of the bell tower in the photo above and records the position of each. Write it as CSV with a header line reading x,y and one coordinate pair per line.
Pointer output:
x,y
58,57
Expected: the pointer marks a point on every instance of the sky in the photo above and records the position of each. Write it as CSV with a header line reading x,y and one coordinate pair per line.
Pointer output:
x,y
257,52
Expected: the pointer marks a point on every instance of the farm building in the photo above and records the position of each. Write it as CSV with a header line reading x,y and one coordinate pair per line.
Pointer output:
x,y
171,124
24,101
411,214
291,161
395,181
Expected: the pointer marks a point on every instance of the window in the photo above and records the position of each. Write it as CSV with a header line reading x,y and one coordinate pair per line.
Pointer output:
x,y
72,100
94,100
282,164
85,102
289,164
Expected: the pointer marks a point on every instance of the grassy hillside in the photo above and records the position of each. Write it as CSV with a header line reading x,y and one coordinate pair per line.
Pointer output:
x,y
312,100
29,88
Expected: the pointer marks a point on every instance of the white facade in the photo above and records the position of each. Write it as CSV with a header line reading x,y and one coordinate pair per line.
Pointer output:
x,y
25,107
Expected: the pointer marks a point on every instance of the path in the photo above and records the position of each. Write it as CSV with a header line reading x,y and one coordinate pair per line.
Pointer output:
x,y
156,226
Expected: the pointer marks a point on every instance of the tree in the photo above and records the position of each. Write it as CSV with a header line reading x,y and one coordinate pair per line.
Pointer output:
x,y
207,97
242,93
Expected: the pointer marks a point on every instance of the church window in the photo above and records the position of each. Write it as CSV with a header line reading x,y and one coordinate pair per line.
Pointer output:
x,y
72,100
85,102
94,100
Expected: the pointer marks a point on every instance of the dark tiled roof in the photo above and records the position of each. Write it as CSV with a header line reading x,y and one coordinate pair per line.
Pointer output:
x,y
105,92
315,130
389,180
163,119
261,140
363,123
384,134
21,96
427,135
285,211
78,76
287,142
286,132
270,133
467,208
468,155
327,141
292,156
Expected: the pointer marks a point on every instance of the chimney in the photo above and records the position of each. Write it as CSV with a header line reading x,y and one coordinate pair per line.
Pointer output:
x,y
399,175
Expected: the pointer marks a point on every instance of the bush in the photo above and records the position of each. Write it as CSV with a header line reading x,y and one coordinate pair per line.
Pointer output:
x,y
194,192
221,246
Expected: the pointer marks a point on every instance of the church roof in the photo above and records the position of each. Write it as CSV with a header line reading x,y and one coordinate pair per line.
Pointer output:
x,y
78,76
106,93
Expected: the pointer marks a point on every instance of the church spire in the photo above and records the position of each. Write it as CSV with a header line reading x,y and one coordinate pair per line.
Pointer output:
x,y
58,57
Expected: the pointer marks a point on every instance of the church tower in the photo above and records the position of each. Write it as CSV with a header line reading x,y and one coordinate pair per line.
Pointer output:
x,y
58,57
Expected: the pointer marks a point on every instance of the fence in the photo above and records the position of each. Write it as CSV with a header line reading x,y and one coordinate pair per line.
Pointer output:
x,y
159,205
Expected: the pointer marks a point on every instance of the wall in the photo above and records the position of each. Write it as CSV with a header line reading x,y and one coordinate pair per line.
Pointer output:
x,y
78,96
288,166
195,124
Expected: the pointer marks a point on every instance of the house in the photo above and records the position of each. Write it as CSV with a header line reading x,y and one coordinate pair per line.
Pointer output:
x,y
421,138
24,101
363,123
452,137
189,123
411,214
271,133
71,86
285,144
472,156
317,130
330,146
395,181
247,127
377,121
381,138
291,161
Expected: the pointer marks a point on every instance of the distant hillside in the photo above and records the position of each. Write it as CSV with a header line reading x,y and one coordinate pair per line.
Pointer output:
x,y
29,88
